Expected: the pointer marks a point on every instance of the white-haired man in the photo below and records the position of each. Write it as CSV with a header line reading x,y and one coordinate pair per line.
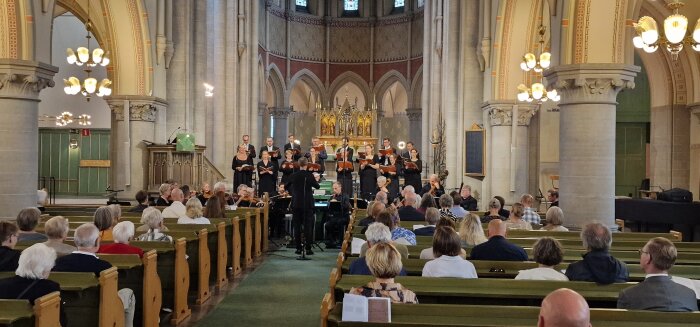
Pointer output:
x,y
375,233
408,211
176,209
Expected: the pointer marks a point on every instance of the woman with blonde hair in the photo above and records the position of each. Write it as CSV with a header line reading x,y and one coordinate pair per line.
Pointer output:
x,y
193,215
471,232
515,220
384,262
554,220
56,229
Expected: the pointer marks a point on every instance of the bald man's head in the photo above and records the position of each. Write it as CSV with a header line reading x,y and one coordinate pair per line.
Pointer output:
x,y
497,227
564,307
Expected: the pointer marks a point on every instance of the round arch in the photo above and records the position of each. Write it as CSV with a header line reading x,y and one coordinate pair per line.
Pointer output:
x,y
349,77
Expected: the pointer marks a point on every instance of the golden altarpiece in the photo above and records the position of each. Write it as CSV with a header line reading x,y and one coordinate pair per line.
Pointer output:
x,y
346,119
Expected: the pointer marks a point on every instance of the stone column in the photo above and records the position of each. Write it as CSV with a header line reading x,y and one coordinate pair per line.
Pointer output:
x,y
694,149
507,148
130,126
587,136
280,118
264,122
20,84
414,126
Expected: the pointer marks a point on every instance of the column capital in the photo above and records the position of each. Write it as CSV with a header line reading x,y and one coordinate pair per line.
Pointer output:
x,y
280,112
262,109
501,112
591,83
694,109
141,107
414,114
24,79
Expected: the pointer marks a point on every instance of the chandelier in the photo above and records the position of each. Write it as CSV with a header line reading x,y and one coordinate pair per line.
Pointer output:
x,y
90,85
649,39
66,118
537,91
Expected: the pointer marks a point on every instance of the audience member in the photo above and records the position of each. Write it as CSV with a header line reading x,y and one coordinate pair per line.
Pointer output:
x,y
408,211
428,253
554,220
164,199
445,201
503,212
373,210
104,222
493,213
384,261
497,247
457,209
27,220
123,234
42,197
213,208
515,220
427,201
553,198
433,186
448,262
548,253
398,234
658,292
376,233
56,229
30,281
432,216
193,213
87,239
470,231
9,257
141,201
177,208
382,198
468,202
186,194
530,215
153,221
564,308
597,264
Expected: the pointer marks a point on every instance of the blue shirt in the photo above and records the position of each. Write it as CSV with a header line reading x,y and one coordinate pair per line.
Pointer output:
x,y
531,216
400,232
459,211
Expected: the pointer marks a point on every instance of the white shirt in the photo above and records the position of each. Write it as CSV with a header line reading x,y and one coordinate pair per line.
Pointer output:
x,y
175,210
41,197
689,283
427,254
447,266
188,220
541,273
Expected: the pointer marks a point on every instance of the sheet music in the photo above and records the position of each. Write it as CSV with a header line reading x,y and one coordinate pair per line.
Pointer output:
x,y
356,245
355,308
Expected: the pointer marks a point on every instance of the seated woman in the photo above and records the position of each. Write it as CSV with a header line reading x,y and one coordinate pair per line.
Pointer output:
x,y
428,253
104,221
27,220
447,262
493,213
193,215
554,220
213,208
385,263
9,257
376,233
427,201
56,229
471,232
548,253
399,234
30,282
515,220
153,220
123,233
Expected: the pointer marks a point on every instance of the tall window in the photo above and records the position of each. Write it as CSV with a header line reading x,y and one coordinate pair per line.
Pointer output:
x,y
421,3
301,5
398,7
350,5
397,3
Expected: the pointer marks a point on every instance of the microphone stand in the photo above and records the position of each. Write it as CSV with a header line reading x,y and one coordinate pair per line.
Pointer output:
x,y
303,232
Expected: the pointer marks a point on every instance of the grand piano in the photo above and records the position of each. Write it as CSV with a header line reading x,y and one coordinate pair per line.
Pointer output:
x,y
646,215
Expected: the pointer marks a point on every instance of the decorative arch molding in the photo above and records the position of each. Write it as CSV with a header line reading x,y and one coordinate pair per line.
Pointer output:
x,y
308,77
275,77
262,80
416,94
349,77
386,81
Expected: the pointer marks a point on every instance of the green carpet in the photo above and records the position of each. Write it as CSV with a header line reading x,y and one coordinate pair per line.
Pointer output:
x,y
282,291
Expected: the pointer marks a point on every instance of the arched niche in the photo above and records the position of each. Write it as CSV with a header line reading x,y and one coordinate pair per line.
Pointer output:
x,y
275,88
312,81
394,100
354,86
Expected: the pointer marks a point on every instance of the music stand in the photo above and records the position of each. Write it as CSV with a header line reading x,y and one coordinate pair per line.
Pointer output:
x,y
361,203
279,208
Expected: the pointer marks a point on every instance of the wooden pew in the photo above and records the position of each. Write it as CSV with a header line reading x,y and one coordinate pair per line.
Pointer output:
x,y
44,313
483,315
254,217
199,261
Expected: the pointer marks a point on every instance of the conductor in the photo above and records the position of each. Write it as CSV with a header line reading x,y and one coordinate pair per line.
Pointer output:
x,y
299,186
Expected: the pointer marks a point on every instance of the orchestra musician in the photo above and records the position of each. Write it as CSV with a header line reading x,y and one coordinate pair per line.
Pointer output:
x,y
272,150
246,197
386,142
249,148
392,172
433,186
412,169
315,159
288,166
383,186
344,154
205,193
242,166
291,145
337,218
369,163
267,175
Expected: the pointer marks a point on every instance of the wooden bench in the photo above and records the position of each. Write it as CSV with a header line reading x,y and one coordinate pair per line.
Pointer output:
x,y
483,315
199,261
44,313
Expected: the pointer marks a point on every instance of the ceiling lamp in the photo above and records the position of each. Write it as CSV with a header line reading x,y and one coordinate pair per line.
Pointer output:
x,y
64,119
83,57
537,63
649,38
537,91
84,120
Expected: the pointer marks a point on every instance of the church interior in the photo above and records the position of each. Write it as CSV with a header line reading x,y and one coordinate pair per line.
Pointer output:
x,y
587,106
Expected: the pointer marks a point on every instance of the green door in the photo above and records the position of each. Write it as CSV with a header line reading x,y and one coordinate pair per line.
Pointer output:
x,y
630,158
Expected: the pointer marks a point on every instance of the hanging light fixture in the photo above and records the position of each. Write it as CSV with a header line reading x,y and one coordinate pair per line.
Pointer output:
x,y
64,119
537,63
537,91
83,57
84,120
649,38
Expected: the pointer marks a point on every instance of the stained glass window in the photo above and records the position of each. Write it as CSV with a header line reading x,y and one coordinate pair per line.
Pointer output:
x,y
301,3
398,3
350,5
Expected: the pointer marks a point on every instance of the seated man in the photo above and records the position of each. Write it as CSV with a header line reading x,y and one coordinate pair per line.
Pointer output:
x,y
408,211
376,233
338,217
597,265
457,209
530,215
445,203
373,210
382,198
553,197
658,292
432,216
176,209
564,307
433,186
468,202
142,199
497,247
87,240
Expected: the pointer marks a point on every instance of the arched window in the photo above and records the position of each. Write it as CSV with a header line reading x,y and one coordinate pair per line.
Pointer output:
x,y
399,6
398,3
302,5
421,3
351,8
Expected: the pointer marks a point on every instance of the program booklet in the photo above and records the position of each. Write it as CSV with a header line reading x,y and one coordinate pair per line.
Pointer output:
x,y
366,309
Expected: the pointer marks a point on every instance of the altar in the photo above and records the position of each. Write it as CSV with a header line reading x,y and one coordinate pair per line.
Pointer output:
x,y
346,120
